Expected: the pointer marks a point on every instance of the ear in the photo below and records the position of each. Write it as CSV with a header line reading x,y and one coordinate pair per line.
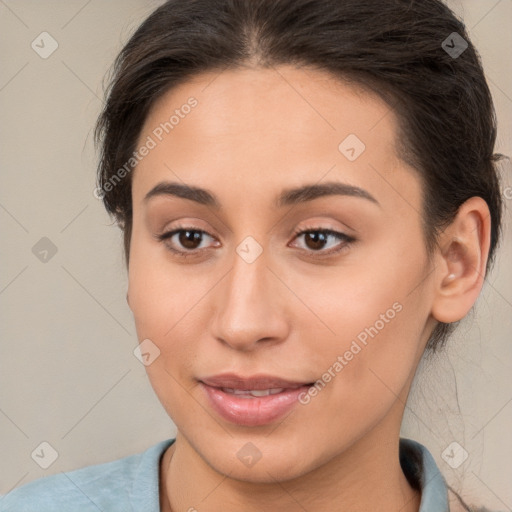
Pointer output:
x,y
461,261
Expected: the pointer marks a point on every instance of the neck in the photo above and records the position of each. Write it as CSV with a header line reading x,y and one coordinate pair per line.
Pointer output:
x,y
367,476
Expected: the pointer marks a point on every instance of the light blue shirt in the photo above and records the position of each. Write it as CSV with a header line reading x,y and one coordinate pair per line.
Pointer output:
x,y
130,484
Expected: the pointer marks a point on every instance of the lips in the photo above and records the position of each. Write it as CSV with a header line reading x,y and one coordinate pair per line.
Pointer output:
x,y
256,382
252,401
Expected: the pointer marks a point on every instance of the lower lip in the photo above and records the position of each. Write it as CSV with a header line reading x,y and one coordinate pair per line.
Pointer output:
x,y
253,411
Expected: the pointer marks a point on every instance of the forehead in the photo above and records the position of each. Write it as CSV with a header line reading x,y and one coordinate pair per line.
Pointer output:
x,y
265,127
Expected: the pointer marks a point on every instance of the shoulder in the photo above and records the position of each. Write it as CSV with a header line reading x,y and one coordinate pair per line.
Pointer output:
x,y
82,489
111,486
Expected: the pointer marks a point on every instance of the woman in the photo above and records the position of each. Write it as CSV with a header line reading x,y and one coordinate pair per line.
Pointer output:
x,y
309,201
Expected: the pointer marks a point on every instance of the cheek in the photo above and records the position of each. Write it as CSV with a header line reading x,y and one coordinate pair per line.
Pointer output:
x,y
366,290
166,300
376,311
162,306
160,292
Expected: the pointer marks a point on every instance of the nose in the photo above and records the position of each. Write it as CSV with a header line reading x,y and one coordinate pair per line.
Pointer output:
x,y
250,306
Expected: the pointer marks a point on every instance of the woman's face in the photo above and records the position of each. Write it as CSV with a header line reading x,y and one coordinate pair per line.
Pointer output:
x,y
252,297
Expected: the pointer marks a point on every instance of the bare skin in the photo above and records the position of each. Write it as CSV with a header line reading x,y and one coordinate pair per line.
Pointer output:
x,y
291,312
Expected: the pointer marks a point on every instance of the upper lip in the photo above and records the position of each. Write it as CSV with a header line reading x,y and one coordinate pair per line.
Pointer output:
x,y
233,381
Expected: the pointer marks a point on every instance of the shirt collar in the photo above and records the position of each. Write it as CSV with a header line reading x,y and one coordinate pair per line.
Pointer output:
x,y
417,464
145,492
423,474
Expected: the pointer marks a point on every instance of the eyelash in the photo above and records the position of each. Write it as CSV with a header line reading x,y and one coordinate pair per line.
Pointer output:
x,y
348,240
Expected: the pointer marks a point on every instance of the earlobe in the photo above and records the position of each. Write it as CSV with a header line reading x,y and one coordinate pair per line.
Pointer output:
x,y
462,260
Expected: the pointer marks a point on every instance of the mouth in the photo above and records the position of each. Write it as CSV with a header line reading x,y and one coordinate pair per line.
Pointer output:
x,y
252,393
231,381
252,401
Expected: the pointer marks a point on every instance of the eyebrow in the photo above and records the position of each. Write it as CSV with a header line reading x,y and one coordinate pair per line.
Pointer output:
x,y
288,197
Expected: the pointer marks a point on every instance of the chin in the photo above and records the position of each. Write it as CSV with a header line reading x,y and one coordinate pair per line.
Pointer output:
x,y
256,459
268,469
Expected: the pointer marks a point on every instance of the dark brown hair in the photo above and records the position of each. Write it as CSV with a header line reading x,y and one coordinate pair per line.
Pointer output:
x,y
398,49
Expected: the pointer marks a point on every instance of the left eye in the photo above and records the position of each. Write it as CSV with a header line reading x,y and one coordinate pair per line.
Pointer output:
x,y
315,239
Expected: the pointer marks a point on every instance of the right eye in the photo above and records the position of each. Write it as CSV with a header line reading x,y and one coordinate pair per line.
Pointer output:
x,y
188,238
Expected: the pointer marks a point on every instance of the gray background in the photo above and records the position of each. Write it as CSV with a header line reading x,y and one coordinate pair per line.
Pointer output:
x,y
68,375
